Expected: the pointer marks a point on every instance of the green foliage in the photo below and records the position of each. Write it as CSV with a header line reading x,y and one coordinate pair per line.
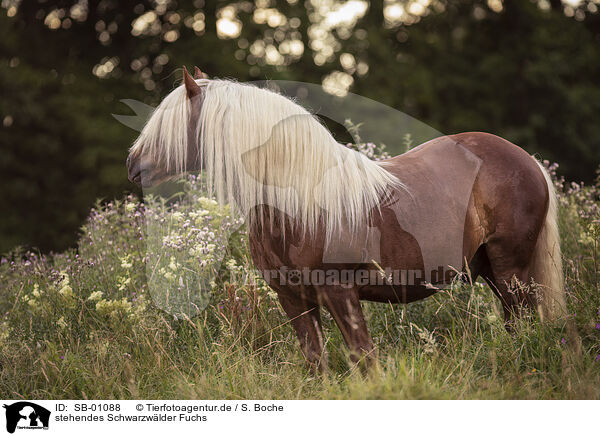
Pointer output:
x,y
527,73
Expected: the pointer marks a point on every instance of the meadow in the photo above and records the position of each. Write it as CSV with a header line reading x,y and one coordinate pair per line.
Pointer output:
x,y
92,323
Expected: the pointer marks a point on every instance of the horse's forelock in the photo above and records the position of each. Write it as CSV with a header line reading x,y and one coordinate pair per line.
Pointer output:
x,y
165,137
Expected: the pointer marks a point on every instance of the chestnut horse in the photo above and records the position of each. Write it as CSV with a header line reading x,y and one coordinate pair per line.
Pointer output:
x,y
467,202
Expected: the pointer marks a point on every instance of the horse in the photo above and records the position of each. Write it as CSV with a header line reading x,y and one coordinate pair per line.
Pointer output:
x,y
345,224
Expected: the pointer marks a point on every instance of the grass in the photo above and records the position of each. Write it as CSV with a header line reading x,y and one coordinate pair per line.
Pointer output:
x,y
85,323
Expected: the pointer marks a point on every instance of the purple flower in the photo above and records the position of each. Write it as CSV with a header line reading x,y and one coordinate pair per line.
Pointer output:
x,y
598,326
597,358
563,341
62,357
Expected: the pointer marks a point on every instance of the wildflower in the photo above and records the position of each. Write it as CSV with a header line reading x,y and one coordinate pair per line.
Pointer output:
x,y
169,276
4,332
95,296
563,341
65,288
491,318
126,263
207,203
67,292
124,282
36,290
113,308
141,306
61,323
598,326
32,302
231,264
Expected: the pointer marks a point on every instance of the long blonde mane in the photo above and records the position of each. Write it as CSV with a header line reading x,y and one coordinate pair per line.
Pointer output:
x,y
259,147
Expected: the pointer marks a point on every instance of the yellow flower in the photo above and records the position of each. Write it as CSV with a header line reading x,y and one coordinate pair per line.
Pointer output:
x,y
123,283
126,263
231,264
67,292
4,332
169,276
207,203
61,323
95,296
491,318
113,308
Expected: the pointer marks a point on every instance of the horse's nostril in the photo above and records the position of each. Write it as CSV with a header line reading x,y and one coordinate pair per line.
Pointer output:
x,y
133,170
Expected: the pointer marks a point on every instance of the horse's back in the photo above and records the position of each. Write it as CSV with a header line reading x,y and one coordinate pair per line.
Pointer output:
x,y
474,187
508,176
505,172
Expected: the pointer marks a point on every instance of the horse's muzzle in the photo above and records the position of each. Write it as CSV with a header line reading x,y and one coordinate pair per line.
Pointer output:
x,y
134,171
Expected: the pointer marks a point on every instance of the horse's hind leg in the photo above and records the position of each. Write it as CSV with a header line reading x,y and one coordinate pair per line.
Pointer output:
x,y
305,316
508,275
344,306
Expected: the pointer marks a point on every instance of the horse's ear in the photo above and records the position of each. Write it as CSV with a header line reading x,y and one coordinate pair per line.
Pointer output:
x,y
198,74
191,86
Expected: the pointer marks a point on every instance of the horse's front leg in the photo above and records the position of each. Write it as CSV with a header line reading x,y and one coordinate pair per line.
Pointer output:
x,y
305,316
344,306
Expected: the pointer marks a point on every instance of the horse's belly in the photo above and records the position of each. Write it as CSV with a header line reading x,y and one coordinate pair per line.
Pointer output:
x,y
393,294
433,208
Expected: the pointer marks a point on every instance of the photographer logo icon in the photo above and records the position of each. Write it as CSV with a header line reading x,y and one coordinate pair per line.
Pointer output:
x,y
26,415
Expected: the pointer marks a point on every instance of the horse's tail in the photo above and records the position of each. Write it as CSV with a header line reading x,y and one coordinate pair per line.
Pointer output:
x,y
546,267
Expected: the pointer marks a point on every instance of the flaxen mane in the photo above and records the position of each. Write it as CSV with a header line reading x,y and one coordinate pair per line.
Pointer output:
x,y
259,147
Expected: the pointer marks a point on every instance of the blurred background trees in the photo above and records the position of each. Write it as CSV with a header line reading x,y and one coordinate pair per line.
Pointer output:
x,y
525,70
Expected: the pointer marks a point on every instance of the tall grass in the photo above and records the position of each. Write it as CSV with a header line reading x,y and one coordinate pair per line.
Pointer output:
x,y
85,323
